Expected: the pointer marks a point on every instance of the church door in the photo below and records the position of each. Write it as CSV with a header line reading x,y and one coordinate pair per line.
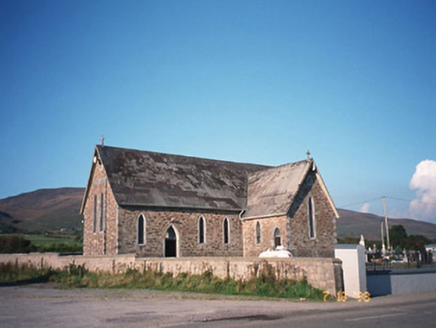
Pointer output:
x,y
170,243
277,238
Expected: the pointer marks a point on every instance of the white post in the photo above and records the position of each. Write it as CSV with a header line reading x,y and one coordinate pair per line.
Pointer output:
x,y
386,223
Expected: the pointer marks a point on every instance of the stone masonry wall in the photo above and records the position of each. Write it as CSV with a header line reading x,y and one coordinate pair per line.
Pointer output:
x,y
185,223
267,228
325,222
319,272
101,240
295,226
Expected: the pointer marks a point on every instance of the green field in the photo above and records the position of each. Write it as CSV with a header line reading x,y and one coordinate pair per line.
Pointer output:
x,y
42,240
24,243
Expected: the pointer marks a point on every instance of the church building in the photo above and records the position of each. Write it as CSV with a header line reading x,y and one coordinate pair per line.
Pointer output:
x,y
161,205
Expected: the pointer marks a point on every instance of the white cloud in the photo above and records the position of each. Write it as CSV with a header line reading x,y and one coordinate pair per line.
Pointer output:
x,y
424,180
364,208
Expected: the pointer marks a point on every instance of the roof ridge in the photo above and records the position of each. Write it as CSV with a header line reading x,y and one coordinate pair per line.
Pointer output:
x,y
296,163
184,156
270,168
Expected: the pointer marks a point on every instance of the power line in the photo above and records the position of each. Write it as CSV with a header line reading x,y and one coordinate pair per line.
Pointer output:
x,y
388,197
410,200
362,202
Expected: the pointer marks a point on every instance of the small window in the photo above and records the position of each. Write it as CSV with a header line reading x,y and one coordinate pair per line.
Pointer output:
x,y
141,230
201,231
102,223
226,231
258,233
277,237
311,217
94,227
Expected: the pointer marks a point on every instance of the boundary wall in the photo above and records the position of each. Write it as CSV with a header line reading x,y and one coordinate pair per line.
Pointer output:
x,y
321,273
399,281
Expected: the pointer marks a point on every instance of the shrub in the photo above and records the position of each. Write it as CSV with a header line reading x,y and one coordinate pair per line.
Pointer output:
x,y
15,244
60,248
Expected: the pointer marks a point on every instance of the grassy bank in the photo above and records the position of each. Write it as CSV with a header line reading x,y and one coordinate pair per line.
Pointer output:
x,y
11,274
78,277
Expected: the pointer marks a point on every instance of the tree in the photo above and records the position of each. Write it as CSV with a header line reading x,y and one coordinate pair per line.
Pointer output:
x,y
398,236
15,244
417,242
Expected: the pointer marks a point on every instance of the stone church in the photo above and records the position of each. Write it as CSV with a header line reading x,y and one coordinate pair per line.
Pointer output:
x,y
161,205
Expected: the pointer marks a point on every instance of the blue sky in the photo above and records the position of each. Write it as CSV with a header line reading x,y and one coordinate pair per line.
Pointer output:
x,y
246,81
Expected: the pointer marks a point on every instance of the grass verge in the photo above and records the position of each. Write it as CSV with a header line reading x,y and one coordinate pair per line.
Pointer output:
x,y
265,285
11,275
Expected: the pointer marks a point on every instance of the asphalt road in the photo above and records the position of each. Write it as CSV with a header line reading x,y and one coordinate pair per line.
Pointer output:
x,y
45,306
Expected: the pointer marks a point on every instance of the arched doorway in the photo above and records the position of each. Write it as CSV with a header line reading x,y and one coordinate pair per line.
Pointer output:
x,y
170,242
277,238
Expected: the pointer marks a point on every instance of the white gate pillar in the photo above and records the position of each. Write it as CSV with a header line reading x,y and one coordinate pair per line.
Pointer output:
x,y
354,268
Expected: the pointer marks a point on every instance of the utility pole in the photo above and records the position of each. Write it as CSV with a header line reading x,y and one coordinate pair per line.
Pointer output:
x,y
386,223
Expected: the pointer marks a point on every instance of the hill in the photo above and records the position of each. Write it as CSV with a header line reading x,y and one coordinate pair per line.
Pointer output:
x,y
356,223
42,210
54,209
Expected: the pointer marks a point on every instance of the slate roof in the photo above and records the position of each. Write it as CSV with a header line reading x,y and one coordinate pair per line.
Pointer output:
x,y
272,191
146,178
150,179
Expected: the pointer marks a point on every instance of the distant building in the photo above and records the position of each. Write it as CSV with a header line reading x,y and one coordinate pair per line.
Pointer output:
x,y
161,205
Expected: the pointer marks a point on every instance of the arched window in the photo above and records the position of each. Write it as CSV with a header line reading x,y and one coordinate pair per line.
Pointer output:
x,y
141,230
94,227
102,218
226,231
311,218
277,237
258,233
201,231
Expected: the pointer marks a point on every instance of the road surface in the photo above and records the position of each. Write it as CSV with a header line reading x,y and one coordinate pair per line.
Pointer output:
x,y
46,306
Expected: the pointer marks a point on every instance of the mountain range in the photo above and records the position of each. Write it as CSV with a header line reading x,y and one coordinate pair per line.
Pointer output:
x,y
354,224
54,209
42,210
